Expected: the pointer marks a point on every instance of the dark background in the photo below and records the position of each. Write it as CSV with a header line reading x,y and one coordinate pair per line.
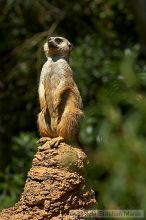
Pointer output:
x,y
109,67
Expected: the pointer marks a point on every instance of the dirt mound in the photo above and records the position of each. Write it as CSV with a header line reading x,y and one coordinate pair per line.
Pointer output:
x,y
55,185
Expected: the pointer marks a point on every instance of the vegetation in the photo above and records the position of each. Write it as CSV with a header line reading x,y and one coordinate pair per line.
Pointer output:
x,y
109,68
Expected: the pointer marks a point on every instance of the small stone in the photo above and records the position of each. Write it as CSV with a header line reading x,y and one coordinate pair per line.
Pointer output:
x,y
38,156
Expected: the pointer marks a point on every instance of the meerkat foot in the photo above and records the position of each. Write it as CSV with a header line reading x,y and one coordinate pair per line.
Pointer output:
x,y
56,141
43,140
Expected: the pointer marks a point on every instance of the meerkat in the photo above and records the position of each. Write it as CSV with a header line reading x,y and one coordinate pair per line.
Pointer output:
x,y
60,100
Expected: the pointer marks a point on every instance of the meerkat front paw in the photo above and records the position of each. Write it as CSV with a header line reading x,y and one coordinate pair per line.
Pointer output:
x,y
43,140
56,141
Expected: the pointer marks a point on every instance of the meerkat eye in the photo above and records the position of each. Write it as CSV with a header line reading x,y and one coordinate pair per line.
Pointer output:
x,y
58,40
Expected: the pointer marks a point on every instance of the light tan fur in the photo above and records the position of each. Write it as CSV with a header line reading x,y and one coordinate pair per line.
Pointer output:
x,y
59,97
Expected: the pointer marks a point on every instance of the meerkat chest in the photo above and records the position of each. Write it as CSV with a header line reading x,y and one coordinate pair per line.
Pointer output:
x,y
56,71
51,67
59,68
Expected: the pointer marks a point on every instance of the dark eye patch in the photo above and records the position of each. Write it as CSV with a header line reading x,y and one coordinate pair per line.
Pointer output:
x,y
58,40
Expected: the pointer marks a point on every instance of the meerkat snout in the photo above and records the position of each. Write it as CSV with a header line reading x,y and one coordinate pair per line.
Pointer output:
x,y
51,44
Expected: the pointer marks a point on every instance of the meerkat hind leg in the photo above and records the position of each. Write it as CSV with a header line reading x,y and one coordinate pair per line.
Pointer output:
x,y
43,140
56,141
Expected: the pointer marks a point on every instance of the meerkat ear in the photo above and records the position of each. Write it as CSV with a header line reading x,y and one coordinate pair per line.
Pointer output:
x,y
46,49
70,46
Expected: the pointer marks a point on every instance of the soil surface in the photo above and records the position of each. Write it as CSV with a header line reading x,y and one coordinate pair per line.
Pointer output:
x,y
55,185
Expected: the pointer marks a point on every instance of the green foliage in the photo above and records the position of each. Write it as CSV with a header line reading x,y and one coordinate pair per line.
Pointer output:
x,y
111,75
13,176
115,124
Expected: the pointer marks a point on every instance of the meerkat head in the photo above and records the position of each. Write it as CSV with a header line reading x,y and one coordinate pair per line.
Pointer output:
x,y
57,46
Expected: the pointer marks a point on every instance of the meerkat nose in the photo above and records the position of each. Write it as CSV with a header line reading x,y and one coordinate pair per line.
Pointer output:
x,y
51,43
49,39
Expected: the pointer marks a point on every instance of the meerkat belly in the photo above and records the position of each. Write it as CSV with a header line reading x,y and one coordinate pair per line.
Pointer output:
x,y
56,80
57,77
